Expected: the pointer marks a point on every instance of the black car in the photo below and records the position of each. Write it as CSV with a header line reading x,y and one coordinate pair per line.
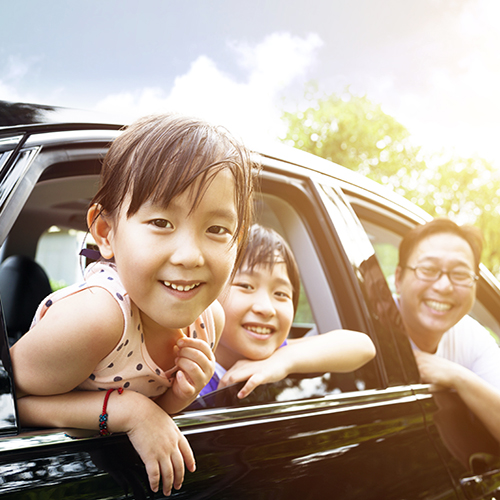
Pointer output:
x,y
376,433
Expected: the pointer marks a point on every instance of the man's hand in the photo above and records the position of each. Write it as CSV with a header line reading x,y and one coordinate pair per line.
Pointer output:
x,y
437,371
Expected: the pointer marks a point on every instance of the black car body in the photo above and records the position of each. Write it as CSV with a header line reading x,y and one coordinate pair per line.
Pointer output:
x,y
377,433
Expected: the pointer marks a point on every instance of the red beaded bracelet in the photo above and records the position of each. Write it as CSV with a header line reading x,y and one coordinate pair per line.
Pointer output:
x,y
103,417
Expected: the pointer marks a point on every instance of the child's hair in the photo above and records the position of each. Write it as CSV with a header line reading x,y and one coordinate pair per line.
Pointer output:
x,y
266,247
160,156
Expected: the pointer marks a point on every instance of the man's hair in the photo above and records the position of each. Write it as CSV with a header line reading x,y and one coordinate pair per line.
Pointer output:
x,y
159,157
266,247
471,234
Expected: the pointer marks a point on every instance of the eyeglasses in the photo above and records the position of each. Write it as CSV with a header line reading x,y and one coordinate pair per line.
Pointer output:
x,y
459,278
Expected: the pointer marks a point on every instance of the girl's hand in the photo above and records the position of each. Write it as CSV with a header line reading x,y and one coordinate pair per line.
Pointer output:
x,y
255,373
156,438
196,363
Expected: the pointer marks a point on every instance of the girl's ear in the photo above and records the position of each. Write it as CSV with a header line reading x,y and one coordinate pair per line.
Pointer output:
x,y
101,230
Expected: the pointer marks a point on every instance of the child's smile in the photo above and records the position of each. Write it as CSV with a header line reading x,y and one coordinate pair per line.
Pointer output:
x,y
259,314
175,261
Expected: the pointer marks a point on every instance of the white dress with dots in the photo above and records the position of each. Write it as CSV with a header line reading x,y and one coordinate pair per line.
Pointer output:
x,y
129,365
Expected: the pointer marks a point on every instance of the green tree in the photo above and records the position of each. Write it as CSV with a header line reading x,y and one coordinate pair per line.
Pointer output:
x,y
468,190
356,133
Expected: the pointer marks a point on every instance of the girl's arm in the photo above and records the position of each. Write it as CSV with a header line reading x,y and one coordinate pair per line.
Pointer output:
x,y
196,362
336,351
152,432
63,349
60,352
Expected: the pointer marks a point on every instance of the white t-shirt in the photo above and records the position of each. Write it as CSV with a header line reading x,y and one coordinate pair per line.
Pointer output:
x,y
469,344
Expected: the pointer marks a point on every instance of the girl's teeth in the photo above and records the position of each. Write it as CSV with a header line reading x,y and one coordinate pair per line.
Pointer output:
x,y
260,330
180,288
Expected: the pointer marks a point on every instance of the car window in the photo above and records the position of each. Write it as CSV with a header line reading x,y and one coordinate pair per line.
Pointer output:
x,y
58,253
386,244
319,312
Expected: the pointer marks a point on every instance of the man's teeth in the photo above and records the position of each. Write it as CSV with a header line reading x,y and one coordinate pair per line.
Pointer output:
x,y
438,306
181,288
260,330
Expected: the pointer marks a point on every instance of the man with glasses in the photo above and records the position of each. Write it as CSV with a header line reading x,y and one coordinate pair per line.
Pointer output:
x,y
436,281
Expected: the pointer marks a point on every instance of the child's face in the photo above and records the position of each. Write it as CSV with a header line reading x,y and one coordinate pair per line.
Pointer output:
x,y
173,262
259,314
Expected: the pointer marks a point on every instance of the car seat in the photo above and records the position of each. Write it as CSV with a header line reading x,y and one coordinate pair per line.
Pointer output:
x,y
23,285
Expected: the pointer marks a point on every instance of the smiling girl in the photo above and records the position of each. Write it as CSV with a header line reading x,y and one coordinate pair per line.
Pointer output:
x,y
134,340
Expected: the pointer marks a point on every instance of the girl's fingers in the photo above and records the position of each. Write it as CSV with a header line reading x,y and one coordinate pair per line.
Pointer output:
x,y
193,345
187,454
153,472
178,468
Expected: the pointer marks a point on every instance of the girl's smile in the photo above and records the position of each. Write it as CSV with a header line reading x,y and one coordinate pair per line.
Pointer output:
x,y
259,314
175,261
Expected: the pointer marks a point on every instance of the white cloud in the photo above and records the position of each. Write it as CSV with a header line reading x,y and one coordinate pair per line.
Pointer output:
x,y
457,107
248,108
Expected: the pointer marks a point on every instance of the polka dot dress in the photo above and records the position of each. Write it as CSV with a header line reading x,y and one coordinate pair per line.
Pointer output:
x,y
129,365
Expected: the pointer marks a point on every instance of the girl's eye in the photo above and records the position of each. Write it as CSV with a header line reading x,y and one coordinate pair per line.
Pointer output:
x,y
162,223
245,286
283,295
218,230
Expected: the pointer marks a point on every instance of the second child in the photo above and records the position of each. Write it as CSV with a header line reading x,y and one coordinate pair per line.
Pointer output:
x,y
260,305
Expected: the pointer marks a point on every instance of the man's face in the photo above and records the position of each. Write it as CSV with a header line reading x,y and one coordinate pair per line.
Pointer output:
x,y
430,308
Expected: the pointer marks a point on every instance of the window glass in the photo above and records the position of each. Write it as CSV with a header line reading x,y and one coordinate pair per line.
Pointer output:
x,y
58,253
386,244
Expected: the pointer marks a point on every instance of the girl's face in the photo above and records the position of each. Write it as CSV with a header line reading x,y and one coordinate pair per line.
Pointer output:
x,y
175,262
259,314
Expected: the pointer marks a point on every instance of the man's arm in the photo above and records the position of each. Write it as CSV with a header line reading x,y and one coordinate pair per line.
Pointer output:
x,y
481,397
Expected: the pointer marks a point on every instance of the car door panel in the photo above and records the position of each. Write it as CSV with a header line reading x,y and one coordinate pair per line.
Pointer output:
x,y
372,444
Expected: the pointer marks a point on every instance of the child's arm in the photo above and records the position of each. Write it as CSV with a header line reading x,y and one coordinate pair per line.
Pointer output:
x,y
152,432
60,352
196,362
336,351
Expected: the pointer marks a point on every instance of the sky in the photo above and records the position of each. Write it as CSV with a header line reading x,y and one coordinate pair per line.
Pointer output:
x,y
434,65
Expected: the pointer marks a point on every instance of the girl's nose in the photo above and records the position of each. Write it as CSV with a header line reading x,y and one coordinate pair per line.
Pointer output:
x,y
263,305
187,253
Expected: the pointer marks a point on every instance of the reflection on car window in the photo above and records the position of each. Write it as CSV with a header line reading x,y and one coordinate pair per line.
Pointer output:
x,y
386,244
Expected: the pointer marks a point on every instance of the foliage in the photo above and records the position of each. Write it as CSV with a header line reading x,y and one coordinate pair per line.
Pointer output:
x,y
468,191
354,132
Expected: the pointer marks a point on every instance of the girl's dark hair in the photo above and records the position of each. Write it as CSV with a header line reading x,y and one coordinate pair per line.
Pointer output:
x,y
471,234
266,247
159,157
